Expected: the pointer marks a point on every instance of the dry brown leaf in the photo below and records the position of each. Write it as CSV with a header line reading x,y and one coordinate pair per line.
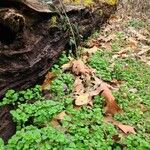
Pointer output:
x,y
96,92
97,80
83,99
99,87
85,57
96,87
108,29
87,81
148,63
139,36
55,123
78,86
67,66
145,50
80,68
90,50
114,18
90,103
106,39
145,59
103,89
77,107
48,79
111,105
125,128
114,83
61,115
106,46
123,51
132,43
93,42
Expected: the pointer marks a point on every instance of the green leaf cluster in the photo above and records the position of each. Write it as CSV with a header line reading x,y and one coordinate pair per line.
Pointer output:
x,y
17,97
39,112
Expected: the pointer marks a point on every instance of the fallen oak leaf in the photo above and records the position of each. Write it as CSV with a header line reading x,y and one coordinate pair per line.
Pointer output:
x,y
107,39
48,79
61,116
111,105
103,89
85,57
67,66
78,86
90,50
132,43
55,123
106,46
121,54
123,51
145,49
124,128
92,42
139,36
80,68
77,107
114,18
97,91
83,99
90,103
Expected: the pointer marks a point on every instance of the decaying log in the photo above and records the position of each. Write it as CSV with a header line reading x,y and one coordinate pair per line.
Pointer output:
x,y
32,36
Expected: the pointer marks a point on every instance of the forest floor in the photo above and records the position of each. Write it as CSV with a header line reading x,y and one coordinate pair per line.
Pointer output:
x,y
99,101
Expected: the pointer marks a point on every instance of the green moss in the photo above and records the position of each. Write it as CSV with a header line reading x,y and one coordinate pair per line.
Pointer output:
x,y
53,21
78,2
111,2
